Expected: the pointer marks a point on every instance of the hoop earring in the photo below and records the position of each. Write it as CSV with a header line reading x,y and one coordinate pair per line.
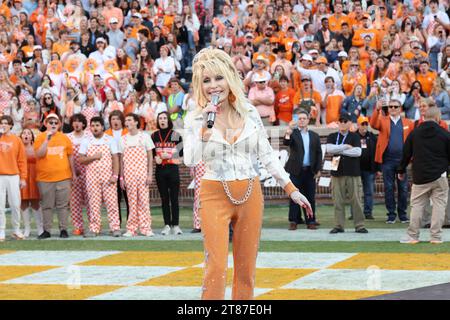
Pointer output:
x,y
231,98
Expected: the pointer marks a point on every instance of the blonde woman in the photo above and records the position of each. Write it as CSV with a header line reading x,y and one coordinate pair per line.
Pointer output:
x,y
230,189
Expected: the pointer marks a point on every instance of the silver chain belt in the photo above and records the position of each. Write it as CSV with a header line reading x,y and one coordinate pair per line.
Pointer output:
x,y
246,196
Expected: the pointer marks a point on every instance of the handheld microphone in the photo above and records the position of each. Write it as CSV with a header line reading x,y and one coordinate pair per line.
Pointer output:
x,y
212,115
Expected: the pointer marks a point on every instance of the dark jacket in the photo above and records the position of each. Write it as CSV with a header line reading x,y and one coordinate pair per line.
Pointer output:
x,y
319,37
368,153
429,147
297,152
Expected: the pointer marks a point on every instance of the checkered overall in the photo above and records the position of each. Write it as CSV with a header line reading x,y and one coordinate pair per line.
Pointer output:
x,y
98,174
135,171
199,171
78,198
89,113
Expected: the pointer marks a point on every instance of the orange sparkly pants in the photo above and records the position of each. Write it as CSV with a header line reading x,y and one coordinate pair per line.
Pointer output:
x,y
217,212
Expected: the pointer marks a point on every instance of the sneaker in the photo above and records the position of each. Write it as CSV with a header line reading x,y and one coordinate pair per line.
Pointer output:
x,y
311,227
78,232
446,226
166,230
116,233
369,217
361,230
404,220
177,230
18,235
427,226
409,240
337,230
2,236
90,234
44,235
390,221
148,234
196,230
436,241
63,234
128,234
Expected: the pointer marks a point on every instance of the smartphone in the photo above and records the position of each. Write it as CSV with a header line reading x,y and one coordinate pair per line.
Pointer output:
x,y
295,117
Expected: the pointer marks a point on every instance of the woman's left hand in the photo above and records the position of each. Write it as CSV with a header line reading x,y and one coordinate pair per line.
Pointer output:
x,y
301,200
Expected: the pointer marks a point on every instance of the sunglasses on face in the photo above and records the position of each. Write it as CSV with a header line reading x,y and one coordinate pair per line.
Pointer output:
x,y
365,124
53,123
397,55
48,98
343,120
261,82
394,107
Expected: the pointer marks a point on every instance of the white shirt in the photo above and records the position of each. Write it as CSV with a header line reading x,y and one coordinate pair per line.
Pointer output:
x,y
108,140
168,67
138,140
237,161
395,119
318,77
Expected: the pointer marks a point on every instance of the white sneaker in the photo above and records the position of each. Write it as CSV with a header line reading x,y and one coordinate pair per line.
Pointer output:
x,y
2,235
148,234
128,234
166,230
18,235
177,230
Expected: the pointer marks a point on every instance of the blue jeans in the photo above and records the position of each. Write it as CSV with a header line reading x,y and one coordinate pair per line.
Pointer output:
x,y
389,179
368,183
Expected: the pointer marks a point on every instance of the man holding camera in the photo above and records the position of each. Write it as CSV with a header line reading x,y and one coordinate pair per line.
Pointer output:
x,y
303,165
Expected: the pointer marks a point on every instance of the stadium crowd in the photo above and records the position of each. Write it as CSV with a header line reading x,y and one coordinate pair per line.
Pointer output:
x,y
94,92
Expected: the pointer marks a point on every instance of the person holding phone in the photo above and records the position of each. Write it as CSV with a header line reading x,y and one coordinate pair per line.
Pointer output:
x,y
303,165
55,169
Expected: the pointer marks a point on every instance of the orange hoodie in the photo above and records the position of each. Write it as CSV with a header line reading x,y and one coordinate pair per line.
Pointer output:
x,y
13,158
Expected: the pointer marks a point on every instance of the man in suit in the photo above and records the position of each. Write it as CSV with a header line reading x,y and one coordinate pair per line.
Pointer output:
x,y
394,130
303,165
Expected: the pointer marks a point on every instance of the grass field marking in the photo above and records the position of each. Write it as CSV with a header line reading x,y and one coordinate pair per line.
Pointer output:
x,y
50,292
397,261
12,272
140,258
294,294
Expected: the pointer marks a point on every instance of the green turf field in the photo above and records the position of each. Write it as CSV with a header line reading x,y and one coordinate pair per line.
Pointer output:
x,y
274,217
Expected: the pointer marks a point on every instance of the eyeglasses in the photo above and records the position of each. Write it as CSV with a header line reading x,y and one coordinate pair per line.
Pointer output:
x,y
53,123
394,107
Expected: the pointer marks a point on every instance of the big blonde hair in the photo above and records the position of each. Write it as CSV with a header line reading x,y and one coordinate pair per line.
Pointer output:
x,y
218,62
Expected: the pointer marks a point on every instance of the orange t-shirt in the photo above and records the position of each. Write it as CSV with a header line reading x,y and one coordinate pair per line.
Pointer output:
x,y
349,83
135,31
358,38
284,104
346,66
61,48
333,106
426,81
55,165
5,11
13,158
335,23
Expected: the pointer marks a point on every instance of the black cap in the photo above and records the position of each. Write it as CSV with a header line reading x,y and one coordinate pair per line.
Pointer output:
x,y
345,116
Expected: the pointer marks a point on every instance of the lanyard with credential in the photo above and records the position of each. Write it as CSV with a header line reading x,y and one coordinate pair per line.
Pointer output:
x,y
337,139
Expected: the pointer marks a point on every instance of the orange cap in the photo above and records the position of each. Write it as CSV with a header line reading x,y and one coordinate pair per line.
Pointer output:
x,y
321,59
362,119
